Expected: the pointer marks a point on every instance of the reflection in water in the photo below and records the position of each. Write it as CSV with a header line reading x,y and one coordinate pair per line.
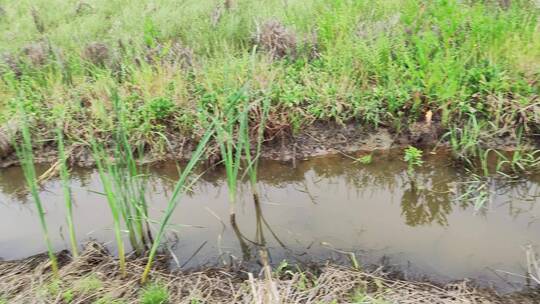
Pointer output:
x,y
373,211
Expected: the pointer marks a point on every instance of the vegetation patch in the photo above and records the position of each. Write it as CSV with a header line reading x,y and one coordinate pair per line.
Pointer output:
x,y
422,70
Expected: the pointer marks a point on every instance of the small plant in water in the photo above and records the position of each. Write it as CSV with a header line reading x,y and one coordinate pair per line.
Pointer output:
x,y
413,157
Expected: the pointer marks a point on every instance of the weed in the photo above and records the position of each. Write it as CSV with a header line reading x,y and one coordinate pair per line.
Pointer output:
x,y
160,108
413,157
68,296
361,297
109,300
365,160
88,284
154,294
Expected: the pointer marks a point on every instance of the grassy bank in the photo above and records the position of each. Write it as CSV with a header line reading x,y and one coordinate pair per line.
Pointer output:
x,y
469,69
94,278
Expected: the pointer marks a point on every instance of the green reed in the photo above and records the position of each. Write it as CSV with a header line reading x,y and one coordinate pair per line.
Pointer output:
x,y
26,157
64,177
130,184
104,167
232,135
179,189
124,186
253,161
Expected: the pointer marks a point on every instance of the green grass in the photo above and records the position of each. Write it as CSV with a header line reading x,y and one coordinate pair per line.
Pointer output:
x,y
376,62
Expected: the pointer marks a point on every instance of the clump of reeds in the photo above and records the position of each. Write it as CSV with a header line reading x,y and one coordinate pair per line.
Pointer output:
x,y
124,186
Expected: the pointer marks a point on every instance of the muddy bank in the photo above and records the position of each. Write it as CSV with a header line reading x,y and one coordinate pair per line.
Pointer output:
x,y
317,139
29,281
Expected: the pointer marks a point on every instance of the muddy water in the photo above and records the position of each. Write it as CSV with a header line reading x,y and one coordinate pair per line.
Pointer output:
x,y
315,210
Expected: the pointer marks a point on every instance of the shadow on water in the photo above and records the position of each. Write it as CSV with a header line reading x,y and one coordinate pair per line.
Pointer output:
x,y
324,208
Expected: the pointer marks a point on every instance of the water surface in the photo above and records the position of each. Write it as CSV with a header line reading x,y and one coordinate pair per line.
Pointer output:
x,y
316,210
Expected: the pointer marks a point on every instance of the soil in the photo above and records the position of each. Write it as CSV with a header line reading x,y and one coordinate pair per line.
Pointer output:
x,y
318,139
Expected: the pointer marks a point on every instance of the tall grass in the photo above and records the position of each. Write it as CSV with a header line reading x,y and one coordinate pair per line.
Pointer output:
x,y
377,62
129,184
124,186
26,157
104,167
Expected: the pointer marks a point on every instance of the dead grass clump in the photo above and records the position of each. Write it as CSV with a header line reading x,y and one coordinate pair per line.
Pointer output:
x,y
29,280
97,53
276,39
37,53
174,54
8,63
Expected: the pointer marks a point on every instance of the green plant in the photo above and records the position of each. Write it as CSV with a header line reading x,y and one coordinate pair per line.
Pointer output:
x,y
413,157
107,299
361,297
64,176
365,160
160,108
124,185
154,294
88,284
179,189
26,158
103,168
68,296
231,134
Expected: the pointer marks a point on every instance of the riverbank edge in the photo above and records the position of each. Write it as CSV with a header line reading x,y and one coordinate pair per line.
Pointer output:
x,y
320,138
29,280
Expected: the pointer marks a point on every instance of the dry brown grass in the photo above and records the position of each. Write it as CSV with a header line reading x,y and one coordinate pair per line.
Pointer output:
x,y
97,53
174,54
276,39
37,53
26,281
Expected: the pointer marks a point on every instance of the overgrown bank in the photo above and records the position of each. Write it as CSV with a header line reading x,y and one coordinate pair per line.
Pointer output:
x,y
460,71
94,278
